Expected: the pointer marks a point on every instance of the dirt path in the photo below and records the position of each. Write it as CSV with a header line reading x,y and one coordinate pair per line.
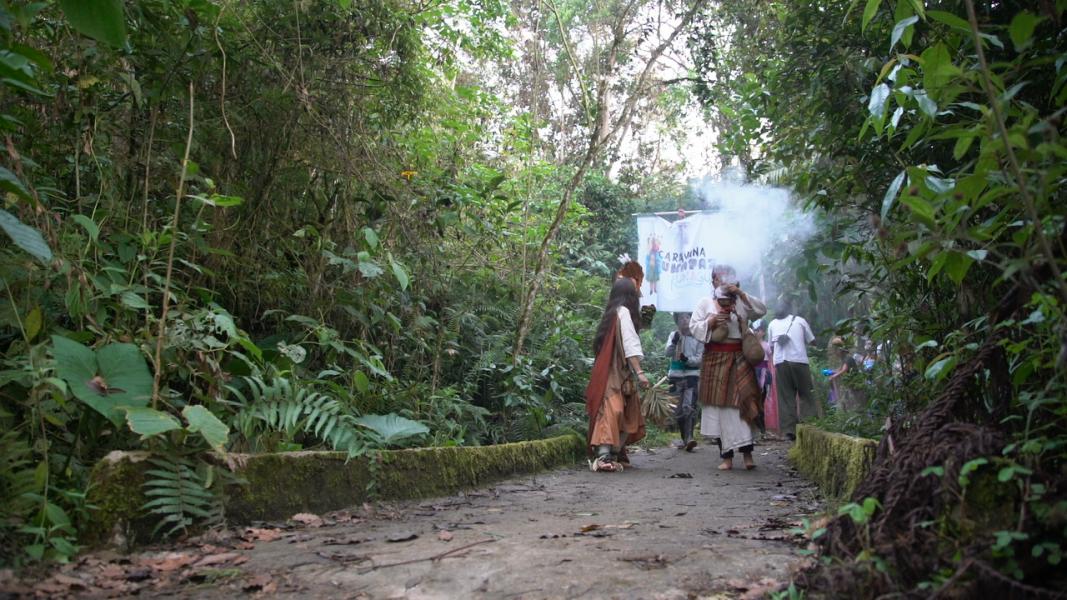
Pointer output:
x,y
671,527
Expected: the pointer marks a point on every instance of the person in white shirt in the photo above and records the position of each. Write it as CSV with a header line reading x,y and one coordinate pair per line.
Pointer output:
x,y
612,401
789,337
728,390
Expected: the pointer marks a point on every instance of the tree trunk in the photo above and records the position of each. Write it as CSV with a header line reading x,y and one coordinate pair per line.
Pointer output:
x,y
603,131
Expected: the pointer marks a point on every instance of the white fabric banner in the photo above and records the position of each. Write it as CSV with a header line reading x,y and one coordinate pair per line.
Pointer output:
x,y
677,259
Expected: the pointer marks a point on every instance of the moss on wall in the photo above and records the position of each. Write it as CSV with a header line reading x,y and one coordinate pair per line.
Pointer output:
x,y
283,484
115,492
834,461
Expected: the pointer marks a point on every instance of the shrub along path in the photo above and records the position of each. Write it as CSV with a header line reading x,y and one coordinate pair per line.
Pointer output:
x,y
671,527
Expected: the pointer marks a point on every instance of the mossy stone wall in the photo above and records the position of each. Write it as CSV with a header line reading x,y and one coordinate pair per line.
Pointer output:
x,y
283,484
836,462
115,491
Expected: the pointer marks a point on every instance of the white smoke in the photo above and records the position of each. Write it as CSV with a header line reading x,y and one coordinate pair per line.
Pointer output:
x,y
758,223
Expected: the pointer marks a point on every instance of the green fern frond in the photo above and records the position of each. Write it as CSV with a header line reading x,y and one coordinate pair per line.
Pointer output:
x,y
282,407
177,494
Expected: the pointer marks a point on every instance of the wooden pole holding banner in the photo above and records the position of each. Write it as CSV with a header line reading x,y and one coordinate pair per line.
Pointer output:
x,y
674,213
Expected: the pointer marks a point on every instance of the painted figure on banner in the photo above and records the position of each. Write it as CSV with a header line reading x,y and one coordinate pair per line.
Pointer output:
x,y
677,259
653,263
681,228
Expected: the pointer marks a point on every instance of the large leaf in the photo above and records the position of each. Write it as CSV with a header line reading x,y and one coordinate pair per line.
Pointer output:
x,y
957,265
113,377
361,382
868,12
877,103
950,19
370,269
149,421
11,183
938,69
124,367
102,20
371,237
400,274
75,364
33,323
203,421
392,429
1021,29
218,200
900,28
891,193
940,368
25,237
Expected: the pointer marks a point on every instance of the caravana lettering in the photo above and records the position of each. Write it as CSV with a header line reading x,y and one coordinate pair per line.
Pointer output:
x,y
693,253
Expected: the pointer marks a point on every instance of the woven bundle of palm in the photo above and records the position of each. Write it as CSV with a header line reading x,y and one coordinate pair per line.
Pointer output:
x,y
657,404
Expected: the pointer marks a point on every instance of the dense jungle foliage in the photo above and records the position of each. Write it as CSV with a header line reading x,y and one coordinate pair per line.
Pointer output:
x,y
290,225
930,134
266,226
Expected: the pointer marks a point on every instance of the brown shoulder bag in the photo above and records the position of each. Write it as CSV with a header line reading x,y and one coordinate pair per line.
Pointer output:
x,y
751,349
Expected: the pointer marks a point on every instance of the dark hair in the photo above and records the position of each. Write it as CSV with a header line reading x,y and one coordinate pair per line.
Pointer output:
x,y
785,307
623,293
634,271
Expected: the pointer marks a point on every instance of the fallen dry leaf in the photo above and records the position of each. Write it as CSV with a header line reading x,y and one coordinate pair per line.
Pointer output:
x,y
112,571
171,561
738,584
139,574
307,519
50,587
761,589
590,527
255,534
73,582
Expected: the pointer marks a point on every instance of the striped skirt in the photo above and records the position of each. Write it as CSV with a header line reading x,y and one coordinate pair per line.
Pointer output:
x,y
728,381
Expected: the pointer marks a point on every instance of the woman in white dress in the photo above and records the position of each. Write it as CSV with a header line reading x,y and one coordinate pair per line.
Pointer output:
x,y
728,389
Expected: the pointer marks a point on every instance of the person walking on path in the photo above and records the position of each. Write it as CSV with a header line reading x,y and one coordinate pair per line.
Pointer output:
x,y
844,395
611,398
766,379
685,353
789,336
728,389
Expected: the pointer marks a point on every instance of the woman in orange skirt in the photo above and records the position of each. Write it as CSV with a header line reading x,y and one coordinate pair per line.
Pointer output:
x,y
611,399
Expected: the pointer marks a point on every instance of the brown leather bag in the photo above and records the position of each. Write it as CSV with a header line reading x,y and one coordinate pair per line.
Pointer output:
x,y
751,348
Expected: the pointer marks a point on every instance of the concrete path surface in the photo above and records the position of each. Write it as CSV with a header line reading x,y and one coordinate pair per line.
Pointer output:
x,y
670,527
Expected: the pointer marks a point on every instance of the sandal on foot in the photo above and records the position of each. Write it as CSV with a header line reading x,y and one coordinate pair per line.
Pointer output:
x,y
604,464
690,445
726,466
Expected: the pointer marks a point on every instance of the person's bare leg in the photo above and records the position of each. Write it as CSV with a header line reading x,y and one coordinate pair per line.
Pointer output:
x,y
749,463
